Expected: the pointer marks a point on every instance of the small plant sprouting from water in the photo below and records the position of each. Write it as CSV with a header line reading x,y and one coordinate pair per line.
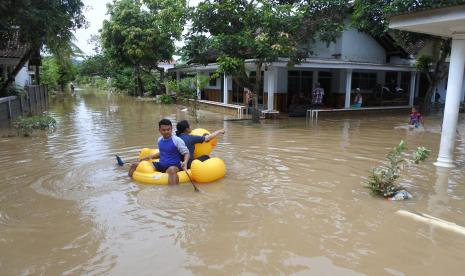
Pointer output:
x,y
26,125
382,181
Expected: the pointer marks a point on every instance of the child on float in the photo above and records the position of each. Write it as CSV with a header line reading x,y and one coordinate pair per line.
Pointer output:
x,y
183,131
415,118
171,150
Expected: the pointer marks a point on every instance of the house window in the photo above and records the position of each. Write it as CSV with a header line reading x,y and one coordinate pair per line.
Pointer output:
x,y
213,81
364,81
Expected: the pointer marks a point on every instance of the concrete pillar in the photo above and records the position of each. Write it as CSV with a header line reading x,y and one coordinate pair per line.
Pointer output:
x,y
413,77
225,89
272,83
348,87
451,109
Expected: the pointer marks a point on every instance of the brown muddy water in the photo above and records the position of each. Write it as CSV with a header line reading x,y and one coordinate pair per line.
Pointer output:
x,y
292,201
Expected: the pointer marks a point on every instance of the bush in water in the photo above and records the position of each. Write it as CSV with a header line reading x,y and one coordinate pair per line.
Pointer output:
x,y
26,125
382,181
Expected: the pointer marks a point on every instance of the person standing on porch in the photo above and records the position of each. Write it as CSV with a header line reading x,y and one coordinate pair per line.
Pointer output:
x,y
317,95
358,99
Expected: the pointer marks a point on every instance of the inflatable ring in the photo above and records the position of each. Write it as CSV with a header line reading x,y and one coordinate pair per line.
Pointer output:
x,y
204,148
146,173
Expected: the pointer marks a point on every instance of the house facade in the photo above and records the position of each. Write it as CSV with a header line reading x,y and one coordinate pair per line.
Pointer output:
x,y
383,72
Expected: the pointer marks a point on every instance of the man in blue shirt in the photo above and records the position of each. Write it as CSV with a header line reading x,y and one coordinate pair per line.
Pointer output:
x,y
171,149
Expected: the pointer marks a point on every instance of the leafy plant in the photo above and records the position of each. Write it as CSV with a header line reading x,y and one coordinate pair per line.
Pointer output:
x,y
165,99
382,181
26,125
420,154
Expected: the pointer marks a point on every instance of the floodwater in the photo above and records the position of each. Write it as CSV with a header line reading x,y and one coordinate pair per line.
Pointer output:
x,y
292,201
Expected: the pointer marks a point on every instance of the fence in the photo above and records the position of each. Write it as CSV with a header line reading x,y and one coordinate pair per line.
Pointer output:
x,y
34,101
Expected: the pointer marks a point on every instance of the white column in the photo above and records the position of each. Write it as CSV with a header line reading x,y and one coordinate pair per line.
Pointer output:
x,y
225,89
272,83
413,77
197,85
348,87
451,109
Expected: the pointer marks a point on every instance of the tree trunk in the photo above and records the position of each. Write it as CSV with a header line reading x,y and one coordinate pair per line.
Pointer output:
x,y
140,84
37,74
18,68
258,79
161,85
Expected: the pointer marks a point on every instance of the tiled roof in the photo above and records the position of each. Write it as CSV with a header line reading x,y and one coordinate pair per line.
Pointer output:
x,y
13,48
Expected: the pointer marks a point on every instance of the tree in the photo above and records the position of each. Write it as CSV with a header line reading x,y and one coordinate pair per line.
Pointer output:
x,y
237,31
372,16
57,72
140,34
39,23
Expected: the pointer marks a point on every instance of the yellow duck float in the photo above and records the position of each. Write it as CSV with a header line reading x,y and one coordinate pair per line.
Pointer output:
x,y
202,172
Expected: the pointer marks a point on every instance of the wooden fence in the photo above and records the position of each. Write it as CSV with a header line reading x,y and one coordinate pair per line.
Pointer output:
x,y
34,101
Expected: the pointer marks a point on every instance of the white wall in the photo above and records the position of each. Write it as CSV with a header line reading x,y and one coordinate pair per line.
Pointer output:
x,y
23,78
323,50
357,46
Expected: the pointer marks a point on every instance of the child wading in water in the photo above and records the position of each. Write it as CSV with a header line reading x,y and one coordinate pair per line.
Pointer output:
x,y
415,118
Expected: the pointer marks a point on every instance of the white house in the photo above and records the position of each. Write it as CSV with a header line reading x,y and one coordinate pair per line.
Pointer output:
x,y
355,60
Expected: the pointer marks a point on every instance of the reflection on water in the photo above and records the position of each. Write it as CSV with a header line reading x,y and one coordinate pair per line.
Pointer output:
x,y
291,202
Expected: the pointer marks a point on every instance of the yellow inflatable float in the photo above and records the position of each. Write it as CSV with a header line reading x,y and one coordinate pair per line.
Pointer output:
x,y
202,172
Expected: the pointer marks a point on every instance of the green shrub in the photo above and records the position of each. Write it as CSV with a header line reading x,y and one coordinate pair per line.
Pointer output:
x,y
26,125
165,99
382,181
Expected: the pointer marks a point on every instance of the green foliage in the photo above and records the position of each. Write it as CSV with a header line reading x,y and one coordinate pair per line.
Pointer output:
x,y
97,65
49,73
26,125
165,99
57,72
382,181
420,154
140,34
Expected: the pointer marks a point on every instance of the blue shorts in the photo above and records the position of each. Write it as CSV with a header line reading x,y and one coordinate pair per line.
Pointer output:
x,y
162,167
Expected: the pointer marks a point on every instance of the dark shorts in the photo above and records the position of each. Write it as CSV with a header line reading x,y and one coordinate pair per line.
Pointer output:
x,y
201,158
162,168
